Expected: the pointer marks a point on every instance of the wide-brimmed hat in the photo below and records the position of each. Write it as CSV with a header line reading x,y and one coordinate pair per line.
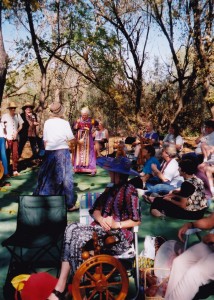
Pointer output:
x,y
12,105
118,165
56,109
27,104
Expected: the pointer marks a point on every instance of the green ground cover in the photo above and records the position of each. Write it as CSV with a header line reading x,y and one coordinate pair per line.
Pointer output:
x,y
25,184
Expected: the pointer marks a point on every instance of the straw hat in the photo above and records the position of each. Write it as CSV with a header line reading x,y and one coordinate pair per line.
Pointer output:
x,y
27,104
117,165
56,109
12,105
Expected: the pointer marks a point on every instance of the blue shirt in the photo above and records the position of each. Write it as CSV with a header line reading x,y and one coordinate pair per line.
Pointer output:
x,y
147,169
152,135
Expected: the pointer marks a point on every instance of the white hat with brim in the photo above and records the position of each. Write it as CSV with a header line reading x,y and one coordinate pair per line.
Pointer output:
x,y
117,165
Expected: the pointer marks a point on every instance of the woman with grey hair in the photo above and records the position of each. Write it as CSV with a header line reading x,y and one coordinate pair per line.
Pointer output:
x,y
188,202
84,158
168,177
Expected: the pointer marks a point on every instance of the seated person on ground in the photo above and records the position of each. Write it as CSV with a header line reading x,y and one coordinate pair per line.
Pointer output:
x,y
149,137
168,177
189,202
200,173
115,212
208,170
204,142
195,266
119,149
173,137
148,157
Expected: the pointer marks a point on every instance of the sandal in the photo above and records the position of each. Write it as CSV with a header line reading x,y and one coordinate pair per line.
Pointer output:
x,y
59,295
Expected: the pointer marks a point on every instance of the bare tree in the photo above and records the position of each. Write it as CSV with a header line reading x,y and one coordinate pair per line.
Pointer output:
x,y
192,21
3,59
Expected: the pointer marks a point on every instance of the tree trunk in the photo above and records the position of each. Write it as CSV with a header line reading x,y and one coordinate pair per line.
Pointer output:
x,y
42,67
3,59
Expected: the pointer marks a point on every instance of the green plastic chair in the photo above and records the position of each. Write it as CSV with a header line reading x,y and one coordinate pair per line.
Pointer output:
x,y
37,241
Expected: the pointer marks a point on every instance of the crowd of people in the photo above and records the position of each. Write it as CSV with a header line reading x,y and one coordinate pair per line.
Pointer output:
x,y
174,184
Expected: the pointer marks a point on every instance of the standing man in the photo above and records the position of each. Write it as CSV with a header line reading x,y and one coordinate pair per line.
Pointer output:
x,y
13,126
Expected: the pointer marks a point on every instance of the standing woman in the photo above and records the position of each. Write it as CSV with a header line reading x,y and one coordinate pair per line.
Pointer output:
x,y
84,158
55,175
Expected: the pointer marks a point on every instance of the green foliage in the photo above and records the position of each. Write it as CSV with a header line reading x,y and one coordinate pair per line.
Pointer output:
x,y
89,48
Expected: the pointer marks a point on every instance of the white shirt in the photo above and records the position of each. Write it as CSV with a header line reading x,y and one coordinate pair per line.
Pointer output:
x,y
170,138
2,134
171,172
13,123
208,139
57,132
100,135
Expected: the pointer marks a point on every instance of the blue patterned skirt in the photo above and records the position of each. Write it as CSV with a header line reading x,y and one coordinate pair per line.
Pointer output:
x,y
55,176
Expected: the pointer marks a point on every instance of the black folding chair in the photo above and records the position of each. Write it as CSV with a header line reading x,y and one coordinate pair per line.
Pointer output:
x,y
37,241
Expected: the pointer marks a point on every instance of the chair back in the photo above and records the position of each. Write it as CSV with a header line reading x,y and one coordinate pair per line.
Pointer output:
x,y
86,202
41,214
130,140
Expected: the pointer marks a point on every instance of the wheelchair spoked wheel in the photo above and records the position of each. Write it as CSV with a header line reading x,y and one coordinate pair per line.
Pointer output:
x,y
101,277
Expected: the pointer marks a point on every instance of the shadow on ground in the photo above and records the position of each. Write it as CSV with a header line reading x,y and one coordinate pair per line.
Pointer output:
x,y
25,184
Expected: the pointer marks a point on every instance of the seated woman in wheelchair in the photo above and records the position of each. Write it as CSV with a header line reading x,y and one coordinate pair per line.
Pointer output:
x,y
195,266
115,212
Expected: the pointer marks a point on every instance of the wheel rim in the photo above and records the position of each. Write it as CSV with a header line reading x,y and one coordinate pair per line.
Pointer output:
x,y
101,277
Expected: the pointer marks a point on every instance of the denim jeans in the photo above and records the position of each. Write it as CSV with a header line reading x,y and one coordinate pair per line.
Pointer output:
x,y
163,188
3,155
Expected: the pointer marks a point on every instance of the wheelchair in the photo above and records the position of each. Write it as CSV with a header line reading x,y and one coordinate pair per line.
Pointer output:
x,y
103,276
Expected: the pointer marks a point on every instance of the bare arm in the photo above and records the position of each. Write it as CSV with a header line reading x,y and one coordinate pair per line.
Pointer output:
x,y
109,223
179,201
205,223
158,173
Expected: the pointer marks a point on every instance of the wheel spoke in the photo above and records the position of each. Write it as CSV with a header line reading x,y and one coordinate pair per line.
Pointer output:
x,y
109,295
110,273
101,296
90,276
86,286
114,283
92,294
101,270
